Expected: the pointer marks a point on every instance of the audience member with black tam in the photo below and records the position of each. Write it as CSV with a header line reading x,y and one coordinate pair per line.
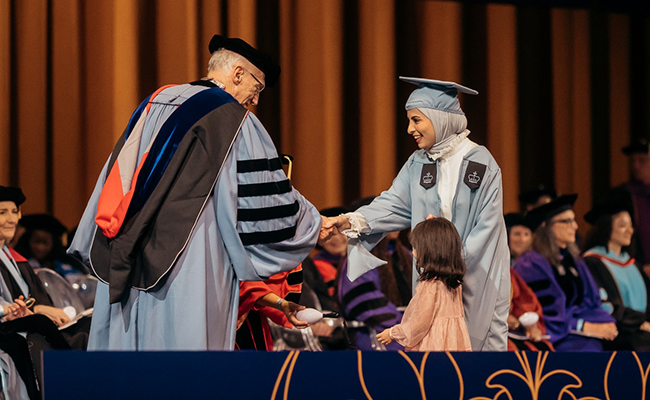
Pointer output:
x,y
28,320
623,285
561,281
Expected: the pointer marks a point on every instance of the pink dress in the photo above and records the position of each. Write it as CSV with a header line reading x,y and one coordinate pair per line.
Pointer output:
x,y
434,320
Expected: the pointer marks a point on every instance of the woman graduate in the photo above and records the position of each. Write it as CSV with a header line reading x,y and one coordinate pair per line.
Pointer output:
x,y
452,177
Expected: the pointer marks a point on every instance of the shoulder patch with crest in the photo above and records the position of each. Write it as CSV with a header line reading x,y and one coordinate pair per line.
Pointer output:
x,y
474,174
428,176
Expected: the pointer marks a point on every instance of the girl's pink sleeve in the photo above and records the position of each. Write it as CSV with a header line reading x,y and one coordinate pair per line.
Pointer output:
x,y
418,317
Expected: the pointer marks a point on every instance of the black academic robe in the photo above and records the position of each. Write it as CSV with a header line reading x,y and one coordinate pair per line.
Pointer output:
x,y
628,320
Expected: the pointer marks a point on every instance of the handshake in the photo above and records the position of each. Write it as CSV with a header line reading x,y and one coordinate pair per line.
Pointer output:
x,y
332,226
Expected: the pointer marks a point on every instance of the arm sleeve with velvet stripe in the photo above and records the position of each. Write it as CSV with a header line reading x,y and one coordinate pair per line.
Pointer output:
x,y
418,316
266,225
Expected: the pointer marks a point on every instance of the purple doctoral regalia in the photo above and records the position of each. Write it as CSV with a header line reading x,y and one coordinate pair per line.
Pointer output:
x,y
562,315
363,300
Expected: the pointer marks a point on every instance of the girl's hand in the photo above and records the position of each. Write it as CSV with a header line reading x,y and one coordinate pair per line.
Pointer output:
x,y
513,322
534,332
384,336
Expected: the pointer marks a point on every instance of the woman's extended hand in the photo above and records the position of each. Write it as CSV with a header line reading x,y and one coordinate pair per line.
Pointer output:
x,y
384,336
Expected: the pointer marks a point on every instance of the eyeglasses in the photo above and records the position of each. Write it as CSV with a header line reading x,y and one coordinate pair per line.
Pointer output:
x,y
261,86
564,221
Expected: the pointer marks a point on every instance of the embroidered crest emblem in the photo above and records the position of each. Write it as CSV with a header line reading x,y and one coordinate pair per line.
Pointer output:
x,y
428,176
473,178
474,174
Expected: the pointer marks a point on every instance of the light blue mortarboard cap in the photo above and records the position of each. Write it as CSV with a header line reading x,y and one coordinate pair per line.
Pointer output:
x,y
438,95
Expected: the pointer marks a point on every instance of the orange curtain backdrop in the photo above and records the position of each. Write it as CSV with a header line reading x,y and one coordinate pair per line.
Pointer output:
x,y
571,106
440,44
5,91
311,122
503,129
31,99
72,71
68,167
377,82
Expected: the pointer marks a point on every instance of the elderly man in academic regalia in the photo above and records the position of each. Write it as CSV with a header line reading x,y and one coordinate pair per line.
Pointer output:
x,y
451,177
192,200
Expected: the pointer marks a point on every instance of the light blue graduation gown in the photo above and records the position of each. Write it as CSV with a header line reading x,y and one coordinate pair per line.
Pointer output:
x,y
478,217
196,307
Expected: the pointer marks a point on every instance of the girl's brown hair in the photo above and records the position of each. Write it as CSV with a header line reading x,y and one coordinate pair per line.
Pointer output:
x,y
439,251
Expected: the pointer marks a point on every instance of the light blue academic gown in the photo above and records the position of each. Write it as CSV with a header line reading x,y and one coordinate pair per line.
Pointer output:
x,y
478,217
196,307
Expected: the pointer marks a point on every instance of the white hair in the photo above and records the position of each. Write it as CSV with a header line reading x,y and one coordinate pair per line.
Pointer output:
x,y
225,60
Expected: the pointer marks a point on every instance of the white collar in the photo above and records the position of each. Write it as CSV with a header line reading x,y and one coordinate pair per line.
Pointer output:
x,y
451,148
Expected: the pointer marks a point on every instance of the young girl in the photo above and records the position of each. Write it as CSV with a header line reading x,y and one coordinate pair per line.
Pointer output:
x,y
434,319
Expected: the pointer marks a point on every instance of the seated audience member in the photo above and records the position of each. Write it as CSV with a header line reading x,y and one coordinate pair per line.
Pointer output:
x,y
536,197
275,298
623,285
20,279
43,245
23,335
373,298
525,321
520,237
562,282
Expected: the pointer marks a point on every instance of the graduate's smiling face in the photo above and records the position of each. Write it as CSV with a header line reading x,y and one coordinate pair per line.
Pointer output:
x,y
9,216
564,227
622,229
421,128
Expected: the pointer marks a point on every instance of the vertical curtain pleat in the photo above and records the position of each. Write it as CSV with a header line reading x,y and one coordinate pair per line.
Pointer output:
x,y
561,90
98,91
501,94
311,55
377,93
68,162
5,92
440,41
571,105
31,101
